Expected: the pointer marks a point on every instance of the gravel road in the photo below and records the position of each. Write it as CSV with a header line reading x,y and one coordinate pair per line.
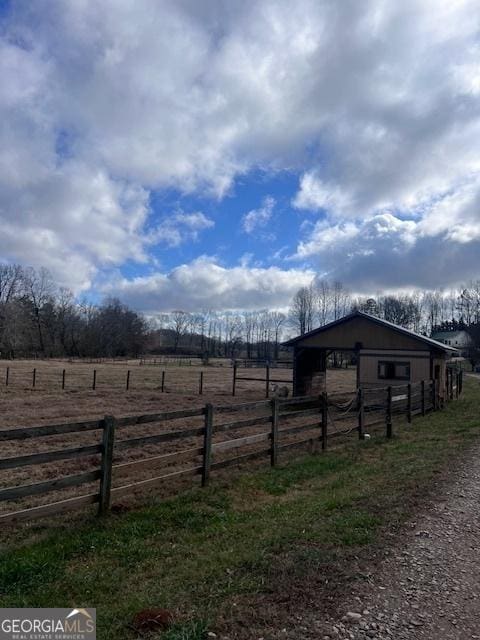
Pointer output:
x,y
428,585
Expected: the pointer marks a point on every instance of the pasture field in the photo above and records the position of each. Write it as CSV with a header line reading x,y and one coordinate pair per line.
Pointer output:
x,y
22,405
47,403
250,554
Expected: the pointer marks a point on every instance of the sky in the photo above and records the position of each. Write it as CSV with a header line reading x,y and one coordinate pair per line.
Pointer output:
x,y
219,155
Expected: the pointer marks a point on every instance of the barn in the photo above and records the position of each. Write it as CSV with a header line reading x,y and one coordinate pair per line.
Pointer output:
x,y
385,353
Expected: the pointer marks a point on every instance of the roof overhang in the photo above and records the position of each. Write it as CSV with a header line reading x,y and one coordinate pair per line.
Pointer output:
x,y
433,345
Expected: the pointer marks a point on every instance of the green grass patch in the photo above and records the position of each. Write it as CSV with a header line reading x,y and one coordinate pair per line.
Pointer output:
x,y
194,552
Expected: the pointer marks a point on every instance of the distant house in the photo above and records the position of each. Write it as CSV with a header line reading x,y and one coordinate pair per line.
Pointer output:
x,y
386,354
459,339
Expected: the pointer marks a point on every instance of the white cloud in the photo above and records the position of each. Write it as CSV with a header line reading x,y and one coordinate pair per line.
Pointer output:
x,y
386,252
314,194
375,105
180,228
72,220
205,284
259,218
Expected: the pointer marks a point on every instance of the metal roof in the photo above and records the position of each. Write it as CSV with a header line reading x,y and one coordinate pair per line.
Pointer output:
x,y
449,335
360,314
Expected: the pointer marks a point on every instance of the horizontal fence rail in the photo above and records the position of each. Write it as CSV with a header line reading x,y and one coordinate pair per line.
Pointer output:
x,y
258,430
79,376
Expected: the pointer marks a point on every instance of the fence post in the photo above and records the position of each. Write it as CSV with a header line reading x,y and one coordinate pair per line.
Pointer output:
x,y
267,381
457,378
207,444
63,379
422,387
127,386
94,382
106,465
234,384
361,417
409,402
274,434
388,415
200,384
460,381
163,381
7,376
451,384
324,420
34,377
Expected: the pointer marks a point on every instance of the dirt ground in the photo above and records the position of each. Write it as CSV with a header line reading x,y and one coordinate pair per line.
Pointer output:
x,y
426,587
21,405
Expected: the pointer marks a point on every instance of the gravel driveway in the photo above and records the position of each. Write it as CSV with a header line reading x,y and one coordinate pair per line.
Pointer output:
x,y
426,586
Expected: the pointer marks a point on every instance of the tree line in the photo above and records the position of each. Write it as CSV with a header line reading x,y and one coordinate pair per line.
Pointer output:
x,y
251,334
37,318
421,311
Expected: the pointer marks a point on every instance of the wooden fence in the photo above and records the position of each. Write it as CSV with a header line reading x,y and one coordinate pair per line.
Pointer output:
x,y
267,380
207,447
129,379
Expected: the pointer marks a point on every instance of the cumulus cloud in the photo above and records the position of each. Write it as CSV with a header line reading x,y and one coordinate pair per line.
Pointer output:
x,y
205,284
375,106
386,252
180,227
259,218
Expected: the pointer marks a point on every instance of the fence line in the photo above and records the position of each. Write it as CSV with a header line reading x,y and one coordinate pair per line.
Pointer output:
x,y
267,380
202,451
93,380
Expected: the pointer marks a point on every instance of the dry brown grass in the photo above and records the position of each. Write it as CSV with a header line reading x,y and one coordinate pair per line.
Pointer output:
x,y
21,405
47,403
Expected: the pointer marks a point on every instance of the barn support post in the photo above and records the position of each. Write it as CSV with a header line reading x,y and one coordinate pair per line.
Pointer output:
x,y
7,375
361,416
94,381
108,441
324,400
409,403
63,379
388,414
422,389
435,395
207,444
234,382
274,434
34,378
127,384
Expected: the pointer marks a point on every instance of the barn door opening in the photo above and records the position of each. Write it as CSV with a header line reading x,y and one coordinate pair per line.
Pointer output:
x,y
310,372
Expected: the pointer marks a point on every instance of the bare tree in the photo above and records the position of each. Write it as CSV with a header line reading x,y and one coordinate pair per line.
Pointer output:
x,y
39,289
179,324
277,320
301,310
323,301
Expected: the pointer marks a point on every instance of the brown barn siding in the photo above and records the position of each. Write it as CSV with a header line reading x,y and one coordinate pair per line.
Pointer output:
x,y
419,366
361,330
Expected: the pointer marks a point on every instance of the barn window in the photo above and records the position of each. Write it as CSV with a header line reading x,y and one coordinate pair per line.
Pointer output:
x,y
393,370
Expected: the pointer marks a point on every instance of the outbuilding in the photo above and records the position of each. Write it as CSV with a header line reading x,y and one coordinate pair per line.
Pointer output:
x,y
385,353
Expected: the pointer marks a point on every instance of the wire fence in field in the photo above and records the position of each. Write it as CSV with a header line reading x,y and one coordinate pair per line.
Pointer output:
x,y
195,381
